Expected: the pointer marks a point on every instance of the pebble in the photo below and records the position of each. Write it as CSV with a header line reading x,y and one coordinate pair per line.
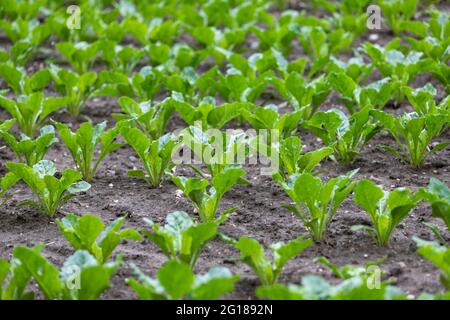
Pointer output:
x,y
110,185
374,37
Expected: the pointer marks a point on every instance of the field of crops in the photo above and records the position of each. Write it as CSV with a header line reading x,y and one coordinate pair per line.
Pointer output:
x,y
224,149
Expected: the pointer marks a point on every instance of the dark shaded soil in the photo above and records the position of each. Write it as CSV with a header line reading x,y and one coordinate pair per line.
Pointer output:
x,y
259,215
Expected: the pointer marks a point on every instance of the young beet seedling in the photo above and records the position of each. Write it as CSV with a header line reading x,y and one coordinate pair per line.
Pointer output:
x,y
438,255
176,280
58,284
438,195
80,55
293,161
205,195
422,100
413,134
75,88
376,94
155,155
218,150
268,118
83,142
6,182
252,254
89,233
401,68
152,119
30,112
18,80
347,136
181,238
359,283
27,150
51,193
398,14
120,58
142,85
303,95
385,209
316,203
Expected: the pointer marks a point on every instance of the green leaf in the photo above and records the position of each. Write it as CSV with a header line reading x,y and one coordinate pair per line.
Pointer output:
x,y
177,279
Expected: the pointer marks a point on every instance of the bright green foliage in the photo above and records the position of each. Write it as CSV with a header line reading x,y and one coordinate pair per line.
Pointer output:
x,y
319,44
355,97
217,116
51,193
83,142
268,118
422,100
120,58
75,88
27,150
155,155
385,209
438,195
152,119
182,238
6,182
142,85
267,270
207,113
439,255
206,195
435,46
301,94
346,135
31,112
413,135
316,203
355,68
350,15
80,278
14,280
26,34
89,233
234,86
294,161
80,55
398,14
176,280
358,283
401,68
219,150
20,83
